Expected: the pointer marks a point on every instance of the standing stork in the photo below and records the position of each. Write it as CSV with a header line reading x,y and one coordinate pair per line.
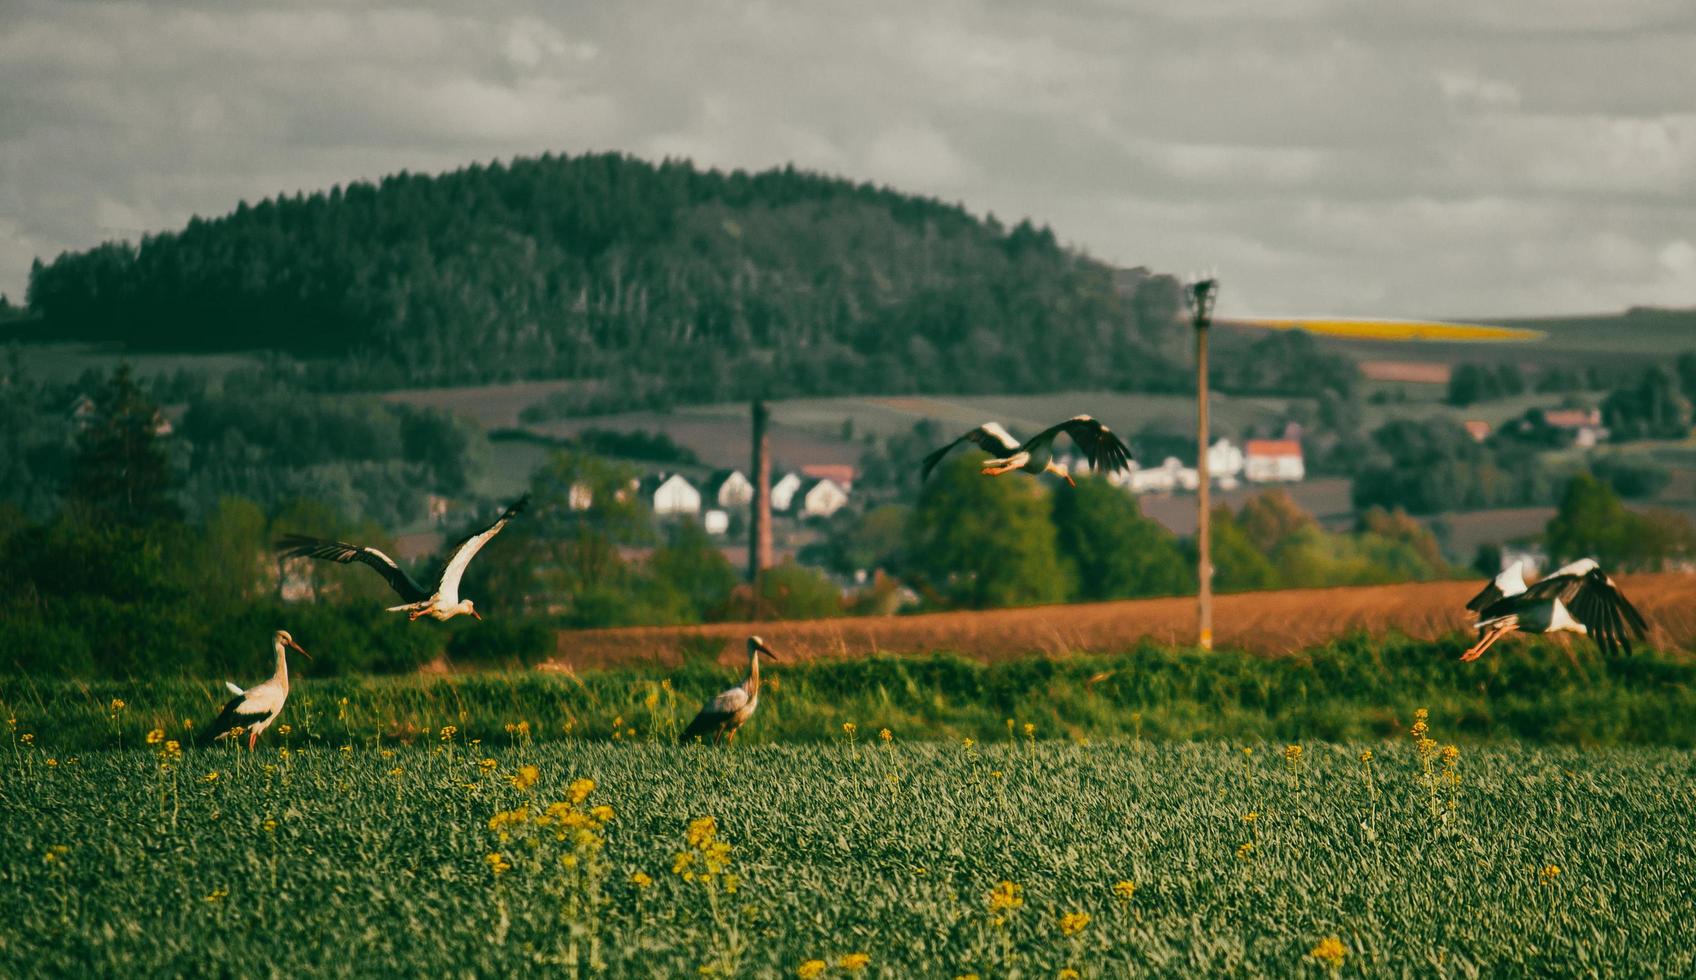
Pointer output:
x,y
444,603
1578,598
257,707
1099,444
719,718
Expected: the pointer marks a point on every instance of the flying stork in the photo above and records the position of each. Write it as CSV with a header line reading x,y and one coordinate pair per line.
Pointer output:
x,y
257,707
1104,450
719,718
1578,598
444,603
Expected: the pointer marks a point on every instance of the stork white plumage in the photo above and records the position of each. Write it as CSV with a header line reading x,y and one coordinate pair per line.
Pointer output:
x,y
254,709
1577,598
1104,450
441,604
719,718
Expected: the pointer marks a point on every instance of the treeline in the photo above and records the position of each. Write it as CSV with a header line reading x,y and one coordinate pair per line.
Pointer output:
x,y
669,283
248,436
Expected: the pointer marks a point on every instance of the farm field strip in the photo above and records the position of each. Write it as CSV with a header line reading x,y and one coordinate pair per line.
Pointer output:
x,y
1273,622
871,857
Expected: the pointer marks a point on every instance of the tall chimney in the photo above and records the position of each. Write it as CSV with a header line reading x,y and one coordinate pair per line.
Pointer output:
x,y
759,544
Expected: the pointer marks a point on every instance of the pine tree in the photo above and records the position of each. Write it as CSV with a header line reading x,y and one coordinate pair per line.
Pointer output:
x,y
121,474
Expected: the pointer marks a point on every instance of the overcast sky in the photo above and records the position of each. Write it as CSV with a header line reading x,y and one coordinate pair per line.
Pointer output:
x,y
1372,157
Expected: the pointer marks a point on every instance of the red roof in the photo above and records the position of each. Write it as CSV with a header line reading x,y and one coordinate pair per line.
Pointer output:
x,y
840,474
1570,418
1478,429
1272,447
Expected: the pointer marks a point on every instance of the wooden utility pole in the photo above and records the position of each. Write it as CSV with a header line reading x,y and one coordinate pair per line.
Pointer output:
x,y
759,523
1200,298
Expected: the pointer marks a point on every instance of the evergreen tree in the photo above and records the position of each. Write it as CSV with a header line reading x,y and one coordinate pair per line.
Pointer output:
x,y
121,474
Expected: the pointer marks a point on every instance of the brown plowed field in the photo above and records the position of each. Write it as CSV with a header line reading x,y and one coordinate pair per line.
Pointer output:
x,y
1264,622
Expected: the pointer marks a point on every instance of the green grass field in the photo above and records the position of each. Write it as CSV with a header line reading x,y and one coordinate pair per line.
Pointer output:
x,y
1122,857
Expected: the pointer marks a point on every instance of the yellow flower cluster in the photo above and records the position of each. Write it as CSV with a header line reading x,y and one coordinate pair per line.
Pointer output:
x,y
170,753
525,778
886,735
156,736
1366,755
1421,733
118,705
707,858
641,879
1126,890
1549,874
487,765
1329,951
448,732
1005,897
811,969
497,864
849,728
1292,754
542,829
1073,923
853,961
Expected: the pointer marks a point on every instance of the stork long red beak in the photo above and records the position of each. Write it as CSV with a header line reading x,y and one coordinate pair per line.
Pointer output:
x,y
300,650
478,615
767,651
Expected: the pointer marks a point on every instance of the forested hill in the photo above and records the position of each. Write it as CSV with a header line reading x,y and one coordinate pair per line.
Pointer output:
x,y
664,281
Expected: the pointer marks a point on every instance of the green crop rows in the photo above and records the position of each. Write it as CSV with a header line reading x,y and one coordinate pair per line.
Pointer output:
x,y
448,858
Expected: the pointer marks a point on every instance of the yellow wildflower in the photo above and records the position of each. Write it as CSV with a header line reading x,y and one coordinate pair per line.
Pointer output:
x,y
849,728
218,895
1246,851
854,961
886,735
55,854
1030,730
603,813
641,879
1126,890
156,736
1066,973
1006,895
496,863
487,765
52,763
448,732
28,738
270,826
1550,873
1073,923
1292,754
212,776
1450,754
1251,816
968,743
397,770
579,789
702,830
526,777
1366,755
1330,952
348,749
810,969
1420,726
284,729
118,705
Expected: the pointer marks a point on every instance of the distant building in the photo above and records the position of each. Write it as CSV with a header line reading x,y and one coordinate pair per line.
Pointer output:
x,y
840,474
1534,558
672,495
1478,429
783,491
821,498
1224,463
579,496
1581,426
728,488
1170,475
436,508
1273,461
715,521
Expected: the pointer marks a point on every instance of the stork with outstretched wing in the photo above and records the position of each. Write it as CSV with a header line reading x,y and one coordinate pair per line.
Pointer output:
x,y
1105,451
1579,598
442,603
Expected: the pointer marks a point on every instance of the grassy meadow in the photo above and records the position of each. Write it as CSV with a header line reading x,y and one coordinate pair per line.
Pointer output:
x,y
1358,687
857,857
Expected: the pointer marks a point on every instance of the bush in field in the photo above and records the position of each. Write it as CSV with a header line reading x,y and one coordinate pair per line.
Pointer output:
x,y
1115,552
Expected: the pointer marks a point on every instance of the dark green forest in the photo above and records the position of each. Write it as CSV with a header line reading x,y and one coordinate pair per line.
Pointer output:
x,y
666,282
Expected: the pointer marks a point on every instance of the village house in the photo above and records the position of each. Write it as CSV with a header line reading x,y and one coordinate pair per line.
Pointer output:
x,y
1478,429
821,498
840,474
715,522
1582,427
783,491
671,494
1169,476
1273,461
728,489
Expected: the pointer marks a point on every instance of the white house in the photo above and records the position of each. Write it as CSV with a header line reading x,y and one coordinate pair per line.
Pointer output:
x,y
822,498
783,491
579,496
715,521
1273,461
673,495
729,488
1584,426
1170,475
1224,461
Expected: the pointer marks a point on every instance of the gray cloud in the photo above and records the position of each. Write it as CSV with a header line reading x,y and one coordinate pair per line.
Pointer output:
x,y
1440,159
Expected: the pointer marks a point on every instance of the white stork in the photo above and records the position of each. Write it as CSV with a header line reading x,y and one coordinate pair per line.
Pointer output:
x,y
1105,451
719,718
444,603
1578,598
257,707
